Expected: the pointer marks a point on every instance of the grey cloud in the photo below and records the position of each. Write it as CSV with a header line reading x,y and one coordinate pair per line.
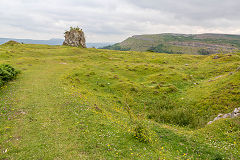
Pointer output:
x,y
115,20
195,10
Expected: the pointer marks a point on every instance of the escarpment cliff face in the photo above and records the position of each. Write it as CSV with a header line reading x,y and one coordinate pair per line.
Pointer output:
x,y
75,37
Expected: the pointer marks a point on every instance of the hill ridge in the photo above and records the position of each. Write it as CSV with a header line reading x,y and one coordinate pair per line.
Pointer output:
x,y
175,43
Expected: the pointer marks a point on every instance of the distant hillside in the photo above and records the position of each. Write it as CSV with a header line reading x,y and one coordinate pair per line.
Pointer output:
x,y
31,41
51,42
203,44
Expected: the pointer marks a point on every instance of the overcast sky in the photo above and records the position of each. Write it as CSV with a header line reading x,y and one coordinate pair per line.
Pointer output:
x,y
115,20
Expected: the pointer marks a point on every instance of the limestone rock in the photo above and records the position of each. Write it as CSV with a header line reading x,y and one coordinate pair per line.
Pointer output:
x,y
228,115
75,38
238,69
210,122
236,110
218,117
216,57
235,113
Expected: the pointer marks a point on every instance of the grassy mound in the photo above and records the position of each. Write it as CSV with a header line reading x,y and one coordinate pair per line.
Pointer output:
x,y
224,134
11,43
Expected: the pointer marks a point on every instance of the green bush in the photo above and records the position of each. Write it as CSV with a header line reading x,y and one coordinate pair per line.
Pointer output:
x,y
7,73
116,47
161,48
204,52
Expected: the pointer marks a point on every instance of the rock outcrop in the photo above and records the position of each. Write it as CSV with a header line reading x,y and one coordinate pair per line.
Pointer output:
x,y
75,38
235,113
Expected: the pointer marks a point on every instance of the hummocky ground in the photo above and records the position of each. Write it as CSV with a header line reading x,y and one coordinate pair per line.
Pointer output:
x,y
73,103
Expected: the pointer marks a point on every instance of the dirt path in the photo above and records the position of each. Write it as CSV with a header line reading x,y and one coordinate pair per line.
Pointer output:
x,y
43,128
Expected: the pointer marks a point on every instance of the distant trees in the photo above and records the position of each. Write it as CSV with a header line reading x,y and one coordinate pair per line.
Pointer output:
x,y
116,47
203,51
160,49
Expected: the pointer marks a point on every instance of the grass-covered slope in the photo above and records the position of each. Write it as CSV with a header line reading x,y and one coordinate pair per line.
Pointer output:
x,y
199,44
179,89
72,103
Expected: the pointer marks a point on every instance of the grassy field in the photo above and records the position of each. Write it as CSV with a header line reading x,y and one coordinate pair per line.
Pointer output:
x,y
73,103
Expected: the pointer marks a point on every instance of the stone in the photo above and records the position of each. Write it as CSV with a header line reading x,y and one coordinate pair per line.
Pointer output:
x,y
228,115
75,38
232,115
216,57
235,113
238,69
210,122
236,110
218,117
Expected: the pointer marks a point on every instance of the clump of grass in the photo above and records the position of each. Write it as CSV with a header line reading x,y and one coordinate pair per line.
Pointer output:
x,y
142,132
179,116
